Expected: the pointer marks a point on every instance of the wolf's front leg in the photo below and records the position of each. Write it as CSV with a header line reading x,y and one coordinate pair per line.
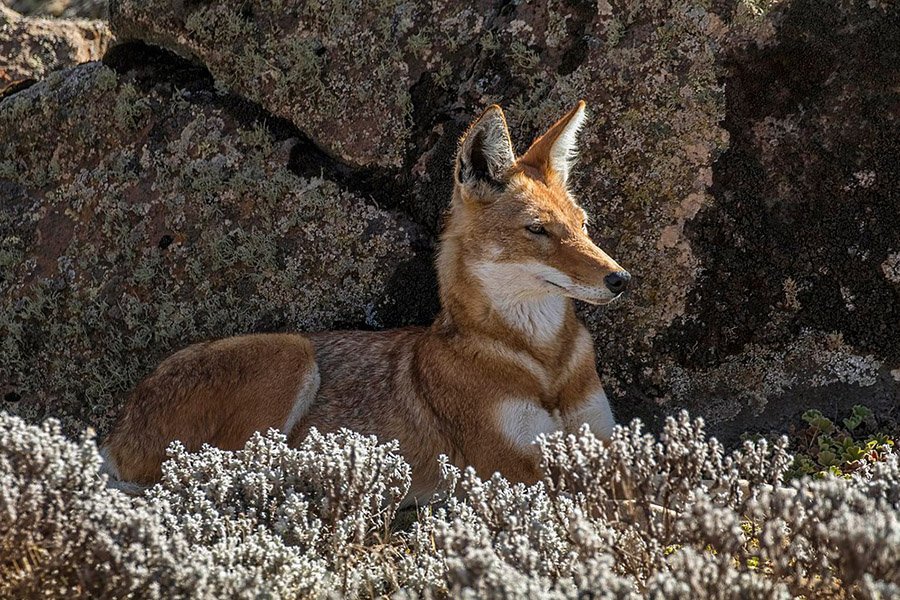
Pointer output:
x,y
587,403
594,411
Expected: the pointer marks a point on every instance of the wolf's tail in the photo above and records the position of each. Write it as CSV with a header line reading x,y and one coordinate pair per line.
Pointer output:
x,y
114,481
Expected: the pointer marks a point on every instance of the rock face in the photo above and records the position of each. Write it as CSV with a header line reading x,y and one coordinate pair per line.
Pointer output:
x,y
798,303
84,9
650,77
32,47
357,76
166,215
768,270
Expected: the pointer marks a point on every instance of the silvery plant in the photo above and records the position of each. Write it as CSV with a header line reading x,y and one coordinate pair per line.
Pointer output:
x,y
637,516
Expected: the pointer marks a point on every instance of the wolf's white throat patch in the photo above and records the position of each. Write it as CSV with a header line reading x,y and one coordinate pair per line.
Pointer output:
x,y
515,292
522,421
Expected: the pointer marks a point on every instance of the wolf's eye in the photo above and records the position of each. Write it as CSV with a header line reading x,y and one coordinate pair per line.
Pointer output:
x,y
536,229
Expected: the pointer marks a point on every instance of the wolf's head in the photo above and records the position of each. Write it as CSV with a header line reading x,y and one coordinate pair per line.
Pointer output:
x,y
515,222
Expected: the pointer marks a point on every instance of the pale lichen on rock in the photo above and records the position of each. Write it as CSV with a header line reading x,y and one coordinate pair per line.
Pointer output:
x,y
70,9
31,47
891,267
743,385
171,223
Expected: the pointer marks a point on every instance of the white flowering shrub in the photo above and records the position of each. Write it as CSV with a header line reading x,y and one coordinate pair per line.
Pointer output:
x,y
641,516
289,521
62,532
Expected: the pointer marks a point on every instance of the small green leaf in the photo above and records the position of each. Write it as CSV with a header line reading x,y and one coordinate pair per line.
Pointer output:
x,y
861,412
823,424
854,453
853,422
827,458
811,415
826,442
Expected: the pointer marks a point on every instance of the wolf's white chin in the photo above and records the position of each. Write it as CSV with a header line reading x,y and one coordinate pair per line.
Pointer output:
x,y
594,298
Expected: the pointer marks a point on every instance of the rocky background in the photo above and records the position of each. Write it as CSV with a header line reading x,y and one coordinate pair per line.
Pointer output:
x,y
200,169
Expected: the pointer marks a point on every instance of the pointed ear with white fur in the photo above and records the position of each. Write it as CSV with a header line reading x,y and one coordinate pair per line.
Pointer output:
x,y
485,151
553,152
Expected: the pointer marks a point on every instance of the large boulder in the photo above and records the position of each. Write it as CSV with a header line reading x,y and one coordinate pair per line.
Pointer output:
x,y
798,301
387,90
141,211
767,274
32,47
360,78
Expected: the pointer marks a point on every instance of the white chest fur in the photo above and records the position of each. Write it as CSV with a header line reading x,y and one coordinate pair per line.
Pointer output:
x,y
522,421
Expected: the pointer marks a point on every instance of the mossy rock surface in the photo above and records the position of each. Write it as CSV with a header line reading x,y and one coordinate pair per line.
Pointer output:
x,y
387,88
366,80
31,47
739,164
143,211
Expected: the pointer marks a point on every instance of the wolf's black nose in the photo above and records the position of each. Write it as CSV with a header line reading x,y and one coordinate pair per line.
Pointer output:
x,y
617,282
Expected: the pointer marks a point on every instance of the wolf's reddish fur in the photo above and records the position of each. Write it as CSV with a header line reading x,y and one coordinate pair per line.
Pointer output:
x,y
505,360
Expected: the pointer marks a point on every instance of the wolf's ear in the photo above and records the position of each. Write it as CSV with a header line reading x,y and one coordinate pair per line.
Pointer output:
x,y
485,150
554,151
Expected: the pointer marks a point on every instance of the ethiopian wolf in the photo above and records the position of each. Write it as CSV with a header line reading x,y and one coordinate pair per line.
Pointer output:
x,y
505,360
